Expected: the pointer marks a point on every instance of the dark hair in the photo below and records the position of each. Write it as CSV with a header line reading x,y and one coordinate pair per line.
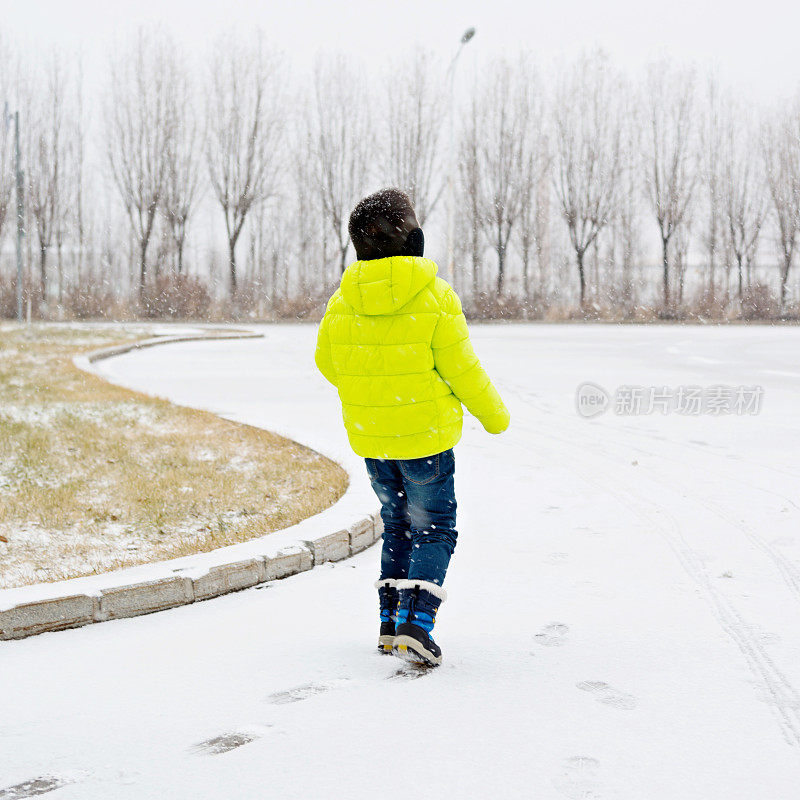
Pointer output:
x,y
380,224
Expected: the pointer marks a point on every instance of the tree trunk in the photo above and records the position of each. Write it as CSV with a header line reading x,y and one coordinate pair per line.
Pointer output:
x,y
787,263
274,280
232,266
142,268
665,263
60,272
501,268
43,270
525,274
541,269
581,276
475,236
712,264
739,274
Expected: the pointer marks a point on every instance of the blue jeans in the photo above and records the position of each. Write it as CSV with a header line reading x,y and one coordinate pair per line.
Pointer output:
x,y
418,508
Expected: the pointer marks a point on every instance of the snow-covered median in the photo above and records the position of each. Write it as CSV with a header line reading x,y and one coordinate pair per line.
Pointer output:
x,y
38,607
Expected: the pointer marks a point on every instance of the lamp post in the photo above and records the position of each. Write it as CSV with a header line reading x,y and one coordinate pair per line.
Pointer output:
x,y
451,72
8,118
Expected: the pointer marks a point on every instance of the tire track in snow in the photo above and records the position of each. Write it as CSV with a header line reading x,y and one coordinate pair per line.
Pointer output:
x,y
785,700
785,568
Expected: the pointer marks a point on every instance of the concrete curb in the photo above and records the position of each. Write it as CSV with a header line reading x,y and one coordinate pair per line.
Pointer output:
x,y
119,350
164,588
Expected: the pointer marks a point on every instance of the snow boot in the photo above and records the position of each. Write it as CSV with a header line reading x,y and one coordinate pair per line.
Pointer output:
x,y
388,597
419,601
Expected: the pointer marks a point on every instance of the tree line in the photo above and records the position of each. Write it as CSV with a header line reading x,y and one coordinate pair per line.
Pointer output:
x,y
182,185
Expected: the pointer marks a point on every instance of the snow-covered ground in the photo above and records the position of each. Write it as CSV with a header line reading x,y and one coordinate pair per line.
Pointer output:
x,y
623,619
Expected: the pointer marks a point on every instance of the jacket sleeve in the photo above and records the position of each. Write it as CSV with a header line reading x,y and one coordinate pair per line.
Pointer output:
x,y
322,355
456,362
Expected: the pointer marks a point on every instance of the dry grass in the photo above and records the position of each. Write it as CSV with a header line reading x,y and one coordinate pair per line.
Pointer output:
x,y
95,477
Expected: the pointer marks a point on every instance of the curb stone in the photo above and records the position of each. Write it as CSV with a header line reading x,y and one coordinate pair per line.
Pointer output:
x,y
333,547
121,349
362,535
230,578
58,614
145,597
289,561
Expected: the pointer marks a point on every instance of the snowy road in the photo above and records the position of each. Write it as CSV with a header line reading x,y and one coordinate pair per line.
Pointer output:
x,y
623,621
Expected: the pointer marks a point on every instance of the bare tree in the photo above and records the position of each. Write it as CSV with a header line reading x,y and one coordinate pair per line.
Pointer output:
x,y
711,134
472,211
342,133
78,174
6,179
69,223
414,103
245,131
744,194
184,146
46,163
6,140
681,243
628,217
534,177
509,151
671,172
781,151
138,116
308,244
588,142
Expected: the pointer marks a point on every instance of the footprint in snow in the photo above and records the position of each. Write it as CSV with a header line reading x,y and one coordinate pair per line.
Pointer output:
x,y
553,635
409,672
32,788
302,692
223,743
609,695
579,778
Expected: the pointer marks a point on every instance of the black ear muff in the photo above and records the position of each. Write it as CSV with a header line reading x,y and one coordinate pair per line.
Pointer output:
x,y
415,243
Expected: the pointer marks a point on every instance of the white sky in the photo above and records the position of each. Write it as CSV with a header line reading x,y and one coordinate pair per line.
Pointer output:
x,y
754,45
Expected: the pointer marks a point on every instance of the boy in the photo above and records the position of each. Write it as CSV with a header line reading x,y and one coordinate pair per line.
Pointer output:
x,y
395,344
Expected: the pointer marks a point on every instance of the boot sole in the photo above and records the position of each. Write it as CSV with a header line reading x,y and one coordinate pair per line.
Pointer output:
x,y
385,644
409,649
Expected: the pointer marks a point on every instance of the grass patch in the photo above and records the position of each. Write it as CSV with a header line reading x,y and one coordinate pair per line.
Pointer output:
x,y
95,477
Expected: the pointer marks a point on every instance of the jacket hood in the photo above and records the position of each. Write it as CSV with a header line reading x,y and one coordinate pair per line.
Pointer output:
x,y
384,285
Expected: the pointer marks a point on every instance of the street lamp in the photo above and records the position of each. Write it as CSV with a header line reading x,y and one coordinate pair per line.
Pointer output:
x,y
451,72
8,117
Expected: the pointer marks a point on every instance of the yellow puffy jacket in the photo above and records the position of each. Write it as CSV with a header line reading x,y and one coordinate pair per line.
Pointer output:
x,y
394,342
